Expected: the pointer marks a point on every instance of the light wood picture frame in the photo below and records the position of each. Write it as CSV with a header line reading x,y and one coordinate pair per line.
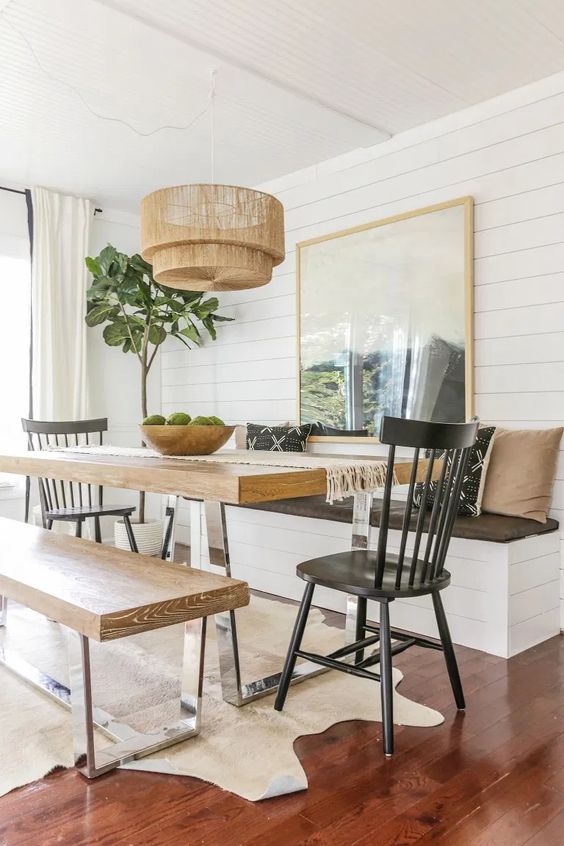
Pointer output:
x,y
406,276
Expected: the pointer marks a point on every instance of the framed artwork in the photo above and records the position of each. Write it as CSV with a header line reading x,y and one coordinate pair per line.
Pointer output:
x,y
385,319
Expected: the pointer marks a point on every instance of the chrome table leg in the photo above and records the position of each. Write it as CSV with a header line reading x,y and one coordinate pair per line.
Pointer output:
x,y
195,533
233,689
360,540
3,610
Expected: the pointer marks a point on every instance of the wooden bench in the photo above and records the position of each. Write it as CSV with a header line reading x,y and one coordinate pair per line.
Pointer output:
x,y
103,594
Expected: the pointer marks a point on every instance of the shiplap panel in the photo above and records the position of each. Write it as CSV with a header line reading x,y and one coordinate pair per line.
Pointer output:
x,y
519,292
261,309
519,264
208,374
542,406
529,204
510,158
238,411
272,389
512,378
535,232
221,353
526,320
523,349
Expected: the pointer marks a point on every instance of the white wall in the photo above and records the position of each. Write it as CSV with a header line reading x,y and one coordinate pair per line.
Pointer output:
x,y
508,153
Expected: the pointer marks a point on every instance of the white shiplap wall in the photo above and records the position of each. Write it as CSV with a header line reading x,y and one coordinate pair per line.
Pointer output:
x,y
508,153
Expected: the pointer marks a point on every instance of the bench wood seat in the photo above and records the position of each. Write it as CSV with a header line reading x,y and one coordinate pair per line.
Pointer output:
x,y
104,593
494,528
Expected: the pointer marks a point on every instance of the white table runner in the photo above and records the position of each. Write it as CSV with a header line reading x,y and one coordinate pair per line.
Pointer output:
x,y
345,476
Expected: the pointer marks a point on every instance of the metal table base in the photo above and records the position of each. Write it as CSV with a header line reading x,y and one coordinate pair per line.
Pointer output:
x,y
234,690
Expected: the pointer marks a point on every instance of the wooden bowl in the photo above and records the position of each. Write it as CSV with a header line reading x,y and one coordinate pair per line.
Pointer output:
x,y
186,440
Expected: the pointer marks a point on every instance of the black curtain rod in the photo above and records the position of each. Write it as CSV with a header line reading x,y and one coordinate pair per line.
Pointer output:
x,y
24,193
12,190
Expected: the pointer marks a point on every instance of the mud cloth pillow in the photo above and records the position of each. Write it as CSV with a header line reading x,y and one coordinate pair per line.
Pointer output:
x,y
278,438
473,484
521,472
241,434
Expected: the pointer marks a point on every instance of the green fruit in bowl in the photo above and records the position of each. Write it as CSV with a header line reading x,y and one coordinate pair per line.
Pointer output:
x,y
154,420
178,419
201,421
217,421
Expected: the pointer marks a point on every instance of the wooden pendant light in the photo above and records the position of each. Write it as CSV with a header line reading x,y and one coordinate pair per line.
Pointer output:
x,y
212,237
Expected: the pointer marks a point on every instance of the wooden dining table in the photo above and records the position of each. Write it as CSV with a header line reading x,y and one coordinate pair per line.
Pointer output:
x,y
211,486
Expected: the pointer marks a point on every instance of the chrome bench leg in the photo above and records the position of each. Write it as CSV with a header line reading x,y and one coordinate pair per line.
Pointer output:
x,y
129,743
3,610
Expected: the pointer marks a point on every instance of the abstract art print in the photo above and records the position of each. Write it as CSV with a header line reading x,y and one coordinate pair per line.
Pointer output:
x,y
385,322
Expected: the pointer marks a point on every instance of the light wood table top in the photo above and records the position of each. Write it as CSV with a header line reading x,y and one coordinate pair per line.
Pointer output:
x,y
236,484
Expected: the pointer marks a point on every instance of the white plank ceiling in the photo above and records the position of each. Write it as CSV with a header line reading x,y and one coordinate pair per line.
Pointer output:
x,y
298,81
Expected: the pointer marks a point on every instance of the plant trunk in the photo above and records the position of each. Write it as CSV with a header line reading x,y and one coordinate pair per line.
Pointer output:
x,y
145,413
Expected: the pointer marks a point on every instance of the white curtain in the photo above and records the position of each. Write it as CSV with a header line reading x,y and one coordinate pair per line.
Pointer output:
x,y
61,231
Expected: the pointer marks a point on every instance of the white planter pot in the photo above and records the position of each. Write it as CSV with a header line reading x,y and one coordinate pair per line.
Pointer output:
x,y
149,536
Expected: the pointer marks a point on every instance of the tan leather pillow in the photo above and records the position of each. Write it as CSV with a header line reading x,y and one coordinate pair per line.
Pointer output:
x,y
241,434
521,472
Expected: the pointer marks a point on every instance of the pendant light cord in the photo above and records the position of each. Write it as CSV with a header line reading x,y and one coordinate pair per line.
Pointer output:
x,y
212,122
78,93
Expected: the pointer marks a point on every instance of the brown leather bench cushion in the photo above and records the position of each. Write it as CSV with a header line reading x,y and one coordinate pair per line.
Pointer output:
x,y
486,527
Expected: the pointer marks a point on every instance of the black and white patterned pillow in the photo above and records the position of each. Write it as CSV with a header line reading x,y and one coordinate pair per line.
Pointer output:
x,y
278,438
474,478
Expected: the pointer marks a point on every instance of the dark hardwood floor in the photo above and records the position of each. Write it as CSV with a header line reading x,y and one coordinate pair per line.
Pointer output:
x,y
493,776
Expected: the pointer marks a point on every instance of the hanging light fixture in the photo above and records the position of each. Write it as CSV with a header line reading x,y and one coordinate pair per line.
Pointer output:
x,y
212,237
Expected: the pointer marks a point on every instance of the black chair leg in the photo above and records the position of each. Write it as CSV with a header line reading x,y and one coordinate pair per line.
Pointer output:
x,y
49,524
130,535
97,530
386,683
295,643
78,532
448,649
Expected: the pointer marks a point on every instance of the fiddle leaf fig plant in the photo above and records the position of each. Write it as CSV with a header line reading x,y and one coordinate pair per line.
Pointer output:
x,y
139,314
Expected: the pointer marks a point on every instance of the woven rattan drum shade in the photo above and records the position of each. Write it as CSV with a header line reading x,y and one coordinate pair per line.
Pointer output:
x,y
212,237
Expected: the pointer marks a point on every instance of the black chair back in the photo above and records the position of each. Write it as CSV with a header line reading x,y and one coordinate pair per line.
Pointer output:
x,y
44,434
446,446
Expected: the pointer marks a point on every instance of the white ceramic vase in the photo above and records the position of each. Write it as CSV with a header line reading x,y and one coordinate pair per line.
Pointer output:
x,y
148,535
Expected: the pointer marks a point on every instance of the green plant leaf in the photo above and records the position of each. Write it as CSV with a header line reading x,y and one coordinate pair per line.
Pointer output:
x,y
99,313
105,258
191,332
115,333
157,335
93,266
208,323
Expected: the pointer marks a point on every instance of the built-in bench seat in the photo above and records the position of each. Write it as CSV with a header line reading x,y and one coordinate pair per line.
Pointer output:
x,y
100,593
504,594
487,527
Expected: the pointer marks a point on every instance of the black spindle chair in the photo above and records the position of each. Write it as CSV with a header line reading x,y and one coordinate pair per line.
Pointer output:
x,y
385,574
73,502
